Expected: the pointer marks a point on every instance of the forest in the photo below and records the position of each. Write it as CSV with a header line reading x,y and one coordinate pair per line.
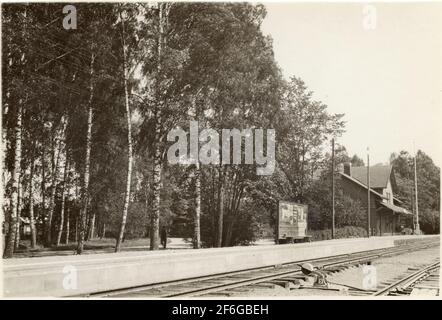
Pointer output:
x,y
86,111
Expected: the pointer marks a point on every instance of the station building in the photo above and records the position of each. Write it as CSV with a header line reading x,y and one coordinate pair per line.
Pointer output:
x,y
386,213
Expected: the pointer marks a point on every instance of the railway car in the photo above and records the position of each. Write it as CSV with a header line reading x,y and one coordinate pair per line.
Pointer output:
x,y
291,223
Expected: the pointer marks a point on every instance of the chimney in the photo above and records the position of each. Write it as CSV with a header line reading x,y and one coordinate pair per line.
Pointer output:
x,y
347,168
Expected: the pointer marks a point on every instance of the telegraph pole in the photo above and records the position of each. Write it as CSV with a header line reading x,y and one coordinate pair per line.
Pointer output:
x,y
413,222
333,189
417,228
368,193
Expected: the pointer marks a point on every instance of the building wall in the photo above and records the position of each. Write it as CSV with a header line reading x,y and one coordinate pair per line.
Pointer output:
x,y
359,193
382,222
388,192
387,222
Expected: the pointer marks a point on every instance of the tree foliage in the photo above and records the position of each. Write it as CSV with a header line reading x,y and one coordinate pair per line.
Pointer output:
x,y
428,187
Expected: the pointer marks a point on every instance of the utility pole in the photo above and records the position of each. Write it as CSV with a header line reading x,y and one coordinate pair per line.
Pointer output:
x,y
368,193
333,189
417,228
411,194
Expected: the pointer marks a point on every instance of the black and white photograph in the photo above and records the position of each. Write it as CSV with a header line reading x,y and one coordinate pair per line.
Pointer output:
x,y
222,150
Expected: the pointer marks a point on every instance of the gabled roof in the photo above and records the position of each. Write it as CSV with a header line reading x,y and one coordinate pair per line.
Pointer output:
x,y
397,200
363,185
379,179
379,175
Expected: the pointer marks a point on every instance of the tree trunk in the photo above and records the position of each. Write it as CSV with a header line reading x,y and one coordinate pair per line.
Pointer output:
x,y
91,232
103,232
19,203
213,205
233,210
63,199
219,240
15,177
229,231
67,226
76,214
87,229
31,206
77,219
48,242
43,188
197,218
85,191
54,172
129,144
156,188
156,183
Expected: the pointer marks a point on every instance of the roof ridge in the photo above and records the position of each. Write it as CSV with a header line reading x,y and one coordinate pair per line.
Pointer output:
x,y
374,166
362,185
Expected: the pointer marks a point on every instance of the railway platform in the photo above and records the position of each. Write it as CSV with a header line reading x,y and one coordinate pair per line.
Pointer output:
x,y
80,275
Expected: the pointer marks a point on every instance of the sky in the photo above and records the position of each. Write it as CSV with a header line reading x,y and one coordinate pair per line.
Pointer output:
x,y
380,65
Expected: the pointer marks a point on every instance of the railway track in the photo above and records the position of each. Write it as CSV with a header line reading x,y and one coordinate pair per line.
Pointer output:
x,y
424,279
268,277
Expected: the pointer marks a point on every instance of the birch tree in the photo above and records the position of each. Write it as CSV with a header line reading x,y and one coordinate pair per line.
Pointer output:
x,y
129,136
65,188
87,164
10,240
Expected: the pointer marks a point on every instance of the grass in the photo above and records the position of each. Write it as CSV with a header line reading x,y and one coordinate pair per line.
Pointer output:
x,y
93,246
105,245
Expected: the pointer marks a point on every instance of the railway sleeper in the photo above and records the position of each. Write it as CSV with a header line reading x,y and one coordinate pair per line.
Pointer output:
x,y
282,283
292,280
262,286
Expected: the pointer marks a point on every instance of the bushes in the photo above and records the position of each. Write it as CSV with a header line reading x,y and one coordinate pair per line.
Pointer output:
x,y
341,233
349,212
